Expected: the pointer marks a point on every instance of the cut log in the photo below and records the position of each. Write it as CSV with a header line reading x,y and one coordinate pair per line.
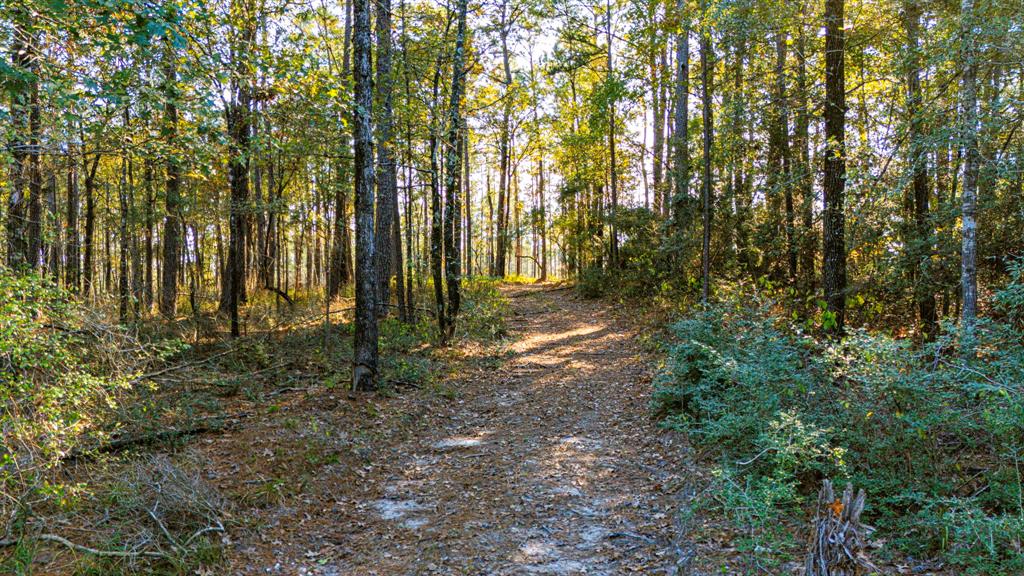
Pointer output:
x,y
839,540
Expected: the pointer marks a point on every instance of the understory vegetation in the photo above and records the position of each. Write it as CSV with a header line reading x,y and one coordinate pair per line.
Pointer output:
x,y
95,477
935,439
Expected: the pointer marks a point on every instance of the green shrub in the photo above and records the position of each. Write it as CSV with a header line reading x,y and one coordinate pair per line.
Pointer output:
x,y
484,310
51,390
593,282
937,443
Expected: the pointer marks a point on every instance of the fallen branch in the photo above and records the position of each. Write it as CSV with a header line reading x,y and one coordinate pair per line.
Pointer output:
x,y
215,424
80,548
280,293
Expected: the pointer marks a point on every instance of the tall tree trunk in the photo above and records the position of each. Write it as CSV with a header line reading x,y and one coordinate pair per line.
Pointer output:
x,y
72,269
834,265
386,170
706,81
680,134
341,272
453,172
972,163
543,222
172,199
24,212
467,195
239,127
436,215
409,298
364,344
657,108
35,174
804,180
613,245
782,137
88,244
501,244
123,194
921,244
147,293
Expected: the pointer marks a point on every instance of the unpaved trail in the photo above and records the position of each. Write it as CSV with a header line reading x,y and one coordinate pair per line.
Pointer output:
x,y
546,463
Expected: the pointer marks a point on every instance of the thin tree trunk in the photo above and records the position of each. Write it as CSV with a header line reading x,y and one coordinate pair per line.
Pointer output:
x,y
24,61
89,241
804,180
613,252
972,162
680,134
72,269
706,80
436,216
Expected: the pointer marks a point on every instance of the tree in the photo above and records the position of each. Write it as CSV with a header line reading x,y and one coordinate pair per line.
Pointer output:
x,y
834,265
22,228
239,127
172,197
387,178
453,172
707,189
680,136
920,243
364,343
972,161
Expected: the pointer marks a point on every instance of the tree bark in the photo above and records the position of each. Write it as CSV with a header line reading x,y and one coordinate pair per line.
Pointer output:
x,y
341,261
834,265
706,80
172,200
239,127
437,216
972,162
453,172
386,170
364,356
680,134
90,224
72,269
804,179
613,244
920,246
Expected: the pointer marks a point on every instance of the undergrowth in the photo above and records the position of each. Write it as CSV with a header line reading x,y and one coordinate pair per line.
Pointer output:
x,y
936,440
87,406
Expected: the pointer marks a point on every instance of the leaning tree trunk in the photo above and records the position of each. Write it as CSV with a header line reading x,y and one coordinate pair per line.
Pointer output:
x,y
364,343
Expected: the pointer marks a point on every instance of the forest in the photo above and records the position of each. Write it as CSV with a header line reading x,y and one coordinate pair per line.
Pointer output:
x,y
511,287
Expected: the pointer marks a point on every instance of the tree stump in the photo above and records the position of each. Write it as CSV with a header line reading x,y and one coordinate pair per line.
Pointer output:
x,y
839,541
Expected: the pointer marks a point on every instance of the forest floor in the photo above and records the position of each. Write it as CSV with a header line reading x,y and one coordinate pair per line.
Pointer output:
x,y
541,457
